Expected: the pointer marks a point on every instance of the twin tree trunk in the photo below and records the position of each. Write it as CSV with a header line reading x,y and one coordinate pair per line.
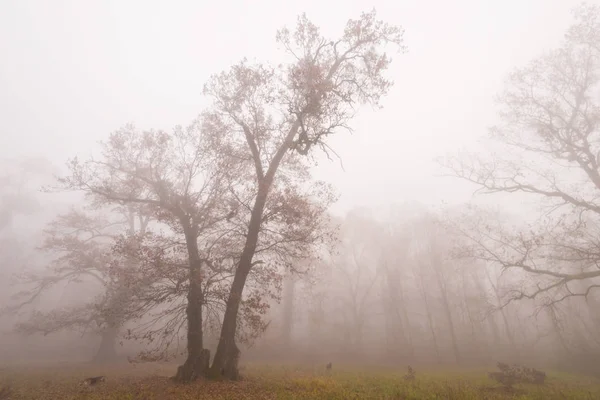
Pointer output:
x,y
225,363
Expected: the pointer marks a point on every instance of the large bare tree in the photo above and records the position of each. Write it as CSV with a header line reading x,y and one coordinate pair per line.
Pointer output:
x,y
274,114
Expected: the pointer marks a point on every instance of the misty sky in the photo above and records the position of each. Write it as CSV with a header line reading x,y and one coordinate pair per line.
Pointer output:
x,y
73,71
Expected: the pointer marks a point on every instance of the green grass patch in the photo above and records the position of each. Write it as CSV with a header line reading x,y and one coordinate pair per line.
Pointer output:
x,y
151,382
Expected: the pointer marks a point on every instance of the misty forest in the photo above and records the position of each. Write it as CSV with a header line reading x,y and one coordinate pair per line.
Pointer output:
x,y
210,258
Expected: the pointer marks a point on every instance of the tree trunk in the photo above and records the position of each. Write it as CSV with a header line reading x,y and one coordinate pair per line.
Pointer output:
x,y
473,324
557,329
396,294
494,347
502,312
429,317
227,354
288,311
446,304
198,358
106,352
406,324
316,320
391,350
457,356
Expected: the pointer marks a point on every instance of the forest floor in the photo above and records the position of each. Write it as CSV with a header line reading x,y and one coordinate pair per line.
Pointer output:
x,y
151,382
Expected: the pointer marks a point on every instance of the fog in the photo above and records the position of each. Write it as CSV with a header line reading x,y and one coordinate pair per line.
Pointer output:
x,y
163,201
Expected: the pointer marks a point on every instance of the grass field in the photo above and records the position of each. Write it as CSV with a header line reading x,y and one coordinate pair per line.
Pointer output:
x,y
151,381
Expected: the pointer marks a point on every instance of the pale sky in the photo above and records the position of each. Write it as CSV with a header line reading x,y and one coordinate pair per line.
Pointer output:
x,y
71,72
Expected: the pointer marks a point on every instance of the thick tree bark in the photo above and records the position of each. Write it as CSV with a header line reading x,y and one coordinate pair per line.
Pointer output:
x,y
227,354
226,349
107,352
198,358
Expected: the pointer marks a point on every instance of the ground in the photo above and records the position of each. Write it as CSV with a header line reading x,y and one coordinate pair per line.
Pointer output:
x,y
151,382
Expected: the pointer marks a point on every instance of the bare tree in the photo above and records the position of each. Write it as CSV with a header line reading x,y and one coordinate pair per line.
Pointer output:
x,y
549,139
81,244
395,263
357,269
435,255
273,114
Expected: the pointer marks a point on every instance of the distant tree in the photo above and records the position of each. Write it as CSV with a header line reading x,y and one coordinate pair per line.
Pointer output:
x,y
356,270
396,241
289,290
272,115
548,147
22,214
433,250
82,245
18,181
